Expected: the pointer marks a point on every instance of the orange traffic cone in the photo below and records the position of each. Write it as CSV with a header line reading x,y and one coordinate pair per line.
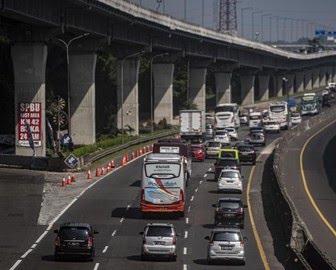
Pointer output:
x,y
102,170
124,161
147,148
137,152
97,172
73,178
63,182
112,164
140,151
109,167
133,155
69,180
89,176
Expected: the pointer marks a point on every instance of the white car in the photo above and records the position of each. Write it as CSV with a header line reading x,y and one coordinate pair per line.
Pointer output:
x,y
271,126
230,180
232,133
223,137
296,118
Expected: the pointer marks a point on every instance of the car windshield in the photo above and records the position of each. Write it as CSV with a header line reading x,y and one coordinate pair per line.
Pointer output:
x,y
227,162
230,129
228,205
214,144
277,108
196,148
230,175
74,232
226,236
164,231
245,148
295,115
221,133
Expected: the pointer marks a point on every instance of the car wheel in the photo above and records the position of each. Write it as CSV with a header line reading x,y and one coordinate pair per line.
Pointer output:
x,y
173,258
209,261
243,262
90,258
142,257
181,214
57,257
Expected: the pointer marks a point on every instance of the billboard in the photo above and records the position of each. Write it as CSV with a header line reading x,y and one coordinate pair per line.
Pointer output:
x,y
29,124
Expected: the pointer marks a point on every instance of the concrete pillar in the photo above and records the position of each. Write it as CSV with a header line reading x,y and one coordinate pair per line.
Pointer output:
x,y
223,87
323,76
129,112
83,98
263,87
333,77
197,78
163,75
330,73
290,84
29,64
278,85
247,89
308,81
299,81
316,79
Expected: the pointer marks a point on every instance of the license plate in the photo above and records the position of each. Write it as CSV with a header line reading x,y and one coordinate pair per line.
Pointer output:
x,y
163,208
159,243
244,154
226,248
73,244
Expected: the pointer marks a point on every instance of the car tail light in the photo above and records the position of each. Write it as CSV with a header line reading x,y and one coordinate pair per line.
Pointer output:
x,y
57,241
174,240
90,241
211,243
242,244
181,196
240,212
143,195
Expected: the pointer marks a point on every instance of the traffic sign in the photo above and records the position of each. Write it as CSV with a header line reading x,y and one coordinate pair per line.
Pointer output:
x,y
71,161
66,140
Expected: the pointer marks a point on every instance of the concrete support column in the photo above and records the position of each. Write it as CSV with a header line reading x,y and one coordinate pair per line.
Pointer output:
x,y
330,73
299,81
316,78
263,87
163,75
29,64
83,98
308,81
333,77
290,84
223,87
278,85
128,112
323,76
247,89
197,78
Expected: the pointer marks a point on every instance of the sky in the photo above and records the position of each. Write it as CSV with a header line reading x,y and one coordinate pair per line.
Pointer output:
x,y
282,19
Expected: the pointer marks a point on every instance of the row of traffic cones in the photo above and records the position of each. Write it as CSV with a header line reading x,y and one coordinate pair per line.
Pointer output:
x,y
68,181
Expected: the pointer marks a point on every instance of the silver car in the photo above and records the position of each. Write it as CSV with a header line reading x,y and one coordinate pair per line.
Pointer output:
x,y
159,240
212,149
226,244
223,137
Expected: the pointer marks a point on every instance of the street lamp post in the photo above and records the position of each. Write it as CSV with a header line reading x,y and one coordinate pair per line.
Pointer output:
x,y
242,19
253,13
285,80
67,45
151,88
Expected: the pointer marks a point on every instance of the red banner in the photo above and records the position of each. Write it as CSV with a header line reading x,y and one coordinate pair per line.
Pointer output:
x,y
29,123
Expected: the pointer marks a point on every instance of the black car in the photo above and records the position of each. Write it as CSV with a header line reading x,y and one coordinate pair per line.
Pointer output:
x,y
247,153
227,162
75,239
230,211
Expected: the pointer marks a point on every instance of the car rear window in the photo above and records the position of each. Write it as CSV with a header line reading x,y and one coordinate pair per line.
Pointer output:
x,y
214,144
245,148
74,232
228,205
159,231
222,132
226,236
195,148
230,174
227,163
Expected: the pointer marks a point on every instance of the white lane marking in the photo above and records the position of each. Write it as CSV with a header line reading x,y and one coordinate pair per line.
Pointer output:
x,y
121,220
33,246
196,189
186,234
105,248
15,264
189,208
96,266
201,182
187,220
27,252
41,237
192,198
114,232
185,267
185,251
205,175
128,207
209,170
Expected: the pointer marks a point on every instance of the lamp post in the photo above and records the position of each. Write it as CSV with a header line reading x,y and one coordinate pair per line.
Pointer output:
x,y
253,13
262,25
242,19
67,45
151,87
122,89
285,80
202,13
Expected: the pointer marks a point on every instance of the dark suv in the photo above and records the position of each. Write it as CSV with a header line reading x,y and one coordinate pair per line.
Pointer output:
x,y
230,211
227,162
75,239
247,153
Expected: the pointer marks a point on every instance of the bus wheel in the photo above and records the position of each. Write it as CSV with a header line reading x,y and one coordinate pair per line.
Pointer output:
x,y
182,214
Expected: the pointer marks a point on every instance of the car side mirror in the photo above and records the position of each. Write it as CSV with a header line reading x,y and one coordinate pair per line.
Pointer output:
x,y
214,205
245,238
141,233
207,238
55,231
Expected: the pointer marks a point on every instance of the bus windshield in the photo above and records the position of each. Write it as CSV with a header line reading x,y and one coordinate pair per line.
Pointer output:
x,y
309,99
226,108
277,109
162,170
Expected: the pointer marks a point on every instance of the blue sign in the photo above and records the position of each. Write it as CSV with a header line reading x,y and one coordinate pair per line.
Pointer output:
x,y
66,140
320,32
71,161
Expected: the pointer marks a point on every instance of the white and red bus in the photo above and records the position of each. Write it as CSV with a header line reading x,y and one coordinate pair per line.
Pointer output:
x,y
163,184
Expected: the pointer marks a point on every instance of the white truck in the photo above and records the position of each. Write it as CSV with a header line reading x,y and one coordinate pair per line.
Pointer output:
x,y
192,125
279,112
255,119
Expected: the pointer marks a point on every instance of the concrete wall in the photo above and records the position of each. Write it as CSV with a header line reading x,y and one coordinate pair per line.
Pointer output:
x,y
264,87
247,89
197,87
223,87
299,81
316,78
308,80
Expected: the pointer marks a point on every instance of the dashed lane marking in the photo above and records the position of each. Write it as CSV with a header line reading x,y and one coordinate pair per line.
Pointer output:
x,y
15,264
201,182
209,170
128,207
33,246
187,220
205,175
27,252
189,208
41,237
192,198
121,220
185,267
196,189
105,248
186,234
96,266
185,251
114,232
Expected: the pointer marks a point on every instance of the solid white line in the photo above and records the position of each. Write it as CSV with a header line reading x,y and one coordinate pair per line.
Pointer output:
x,y
192,198
187,220
128,207
185,251
121,220
96,266
185,267
33,246
196,189
201,182
15,264
205,175
189,208
114,232
27,252
186,234
105,248
41,237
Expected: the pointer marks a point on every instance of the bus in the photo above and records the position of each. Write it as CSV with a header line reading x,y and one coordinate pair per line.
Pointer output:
x,y
279,112
310,104
228,107
163,184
